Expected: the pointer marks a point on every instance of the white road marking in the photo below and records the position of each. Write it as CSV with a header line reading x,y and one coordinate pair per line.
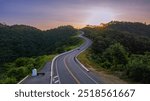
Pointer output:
x,y
23,79
70,71
58,73
52,65
56,81
54,59
55,77
81,65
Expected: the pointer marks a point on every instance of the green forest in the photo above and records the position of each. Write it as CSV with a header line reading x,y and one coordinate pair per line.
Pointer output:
x,y
23,48
122,48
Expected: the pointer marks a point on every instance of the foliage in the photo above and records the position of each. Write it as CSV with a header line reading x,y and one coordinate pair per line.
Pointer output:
x,y
137,28
23,48
122,47
25,41
117,53
21,67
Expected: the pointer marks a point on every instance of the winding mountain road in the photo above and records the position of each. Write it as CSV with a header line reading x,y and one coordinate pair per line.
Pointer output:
x,y
66,69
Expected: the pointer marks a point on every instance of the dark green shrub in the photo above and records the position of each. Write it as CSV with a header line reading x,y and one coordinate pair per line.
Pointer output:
x,y
17,73
139,72
24,61
106,65
118,67
116,54
9,80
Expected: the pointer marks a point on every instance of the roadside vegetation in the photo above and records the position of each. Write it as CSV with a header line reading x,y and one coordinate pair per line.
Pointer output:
x,y
122,48
23,48
14,71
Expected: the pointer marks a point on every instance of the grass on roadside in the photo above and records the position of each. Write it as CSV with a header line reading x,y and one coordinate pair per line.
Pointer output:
x,y
84,58
18,69
80,41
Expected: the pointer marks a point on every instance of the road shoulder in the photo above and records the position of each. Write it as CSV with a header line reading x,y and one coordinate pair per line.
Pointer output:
x,y
41,79
106,77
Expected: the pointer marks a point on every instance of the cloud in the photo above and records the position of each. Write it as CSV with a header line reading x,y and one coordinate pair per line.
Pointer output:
x,y
49,13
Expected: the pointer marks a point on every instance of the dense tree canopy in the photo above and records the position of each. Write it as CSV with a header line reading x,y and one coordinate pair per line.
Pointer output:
x,y
122,46
135,28
25,41
23,48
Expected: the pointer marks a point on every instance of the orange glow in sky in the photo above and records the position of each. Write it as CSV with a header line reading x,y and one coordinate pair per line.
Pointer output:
x,y
47,14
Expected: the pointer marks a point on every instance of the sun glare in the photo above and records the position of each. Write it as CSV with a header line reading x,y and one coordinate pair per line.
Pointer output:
x,y
97,16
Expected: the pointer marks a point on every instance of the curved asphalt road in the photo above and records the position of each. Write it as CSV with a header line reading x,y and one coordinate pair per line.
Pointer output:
x,y
66,69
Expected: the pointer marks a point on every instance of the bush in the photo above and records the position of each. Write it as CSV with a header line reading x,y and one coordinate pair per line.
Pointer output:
x,y
115,57
117,54
9,80
118,67
139,72
110,43
106,65
17,73
24,61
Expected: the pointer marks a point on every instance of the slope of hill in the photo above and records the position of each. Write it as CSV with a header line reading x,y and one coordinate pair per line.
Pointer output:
x,y
23,48
136,28
123,48
25,41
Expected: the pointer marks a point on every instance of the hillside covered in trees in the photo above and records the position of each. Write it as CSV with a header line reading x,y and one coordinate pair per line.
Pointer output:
x,y
24,47
25,41
123,48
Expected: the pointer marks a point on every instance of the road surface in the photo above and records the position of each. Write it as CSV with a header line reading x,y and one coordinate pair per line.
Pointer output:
x,y
66,69
41,79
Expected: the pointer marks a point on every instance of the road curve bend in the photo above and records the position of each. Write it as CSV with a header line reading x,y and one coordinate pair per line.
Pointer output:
x,y
67,69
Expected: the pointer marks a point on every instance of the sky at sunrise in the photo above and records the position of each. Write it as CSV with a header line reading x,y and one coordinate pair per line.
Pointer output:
x,y
47,14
